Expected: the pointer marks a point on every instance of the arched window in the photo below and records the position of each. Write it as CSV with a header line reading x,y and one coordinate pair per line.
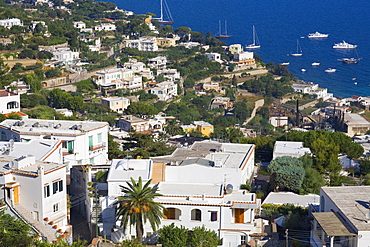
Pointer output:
x,y
12,105
196,215
172,213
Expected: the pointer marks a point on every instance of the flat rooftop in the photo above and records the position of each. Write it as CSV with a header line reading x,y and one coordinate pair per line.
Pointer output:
x,y
28,170
55,127
354,119
353,202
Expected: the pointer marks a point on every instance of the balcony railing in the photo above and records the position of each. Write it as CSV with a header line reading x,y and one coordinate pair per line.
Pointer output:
x,y
97,146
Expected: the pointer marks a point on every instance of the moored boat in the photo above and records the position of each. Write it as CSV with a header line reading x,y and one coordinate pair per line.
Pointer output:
x,y
330,70
350,60
317,35
344,45
256,42
315,64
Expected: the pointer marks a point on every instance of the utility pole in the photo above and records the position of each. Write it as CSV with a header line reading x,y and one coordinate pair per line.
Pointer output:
x,y
286,238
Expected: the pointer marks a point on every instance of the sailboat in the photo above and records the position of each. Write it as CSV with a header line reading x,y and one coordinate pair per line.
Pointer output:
x,y
351,60
220,35
256,42
299,51
164,8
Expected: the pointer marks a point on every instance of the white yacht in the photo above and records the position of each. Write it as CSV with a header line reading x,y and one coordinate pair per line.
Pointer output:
x,y
303,70
317,35
315,64
285,63
344,45
330,70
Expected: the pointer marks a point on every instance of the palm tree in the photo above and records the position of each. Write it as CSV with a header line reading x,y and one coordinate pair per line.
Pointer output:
x,y
137,206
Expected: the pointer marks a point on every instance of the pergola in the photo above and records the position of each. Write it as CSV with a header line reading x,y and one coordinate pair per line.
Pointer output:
x,y
332,225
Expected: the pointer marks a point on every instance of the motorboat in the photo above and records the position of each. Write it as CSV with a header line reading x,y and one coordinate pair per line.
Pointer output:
x,y
344,45
330,70
286,63
317,35
303,70
315,64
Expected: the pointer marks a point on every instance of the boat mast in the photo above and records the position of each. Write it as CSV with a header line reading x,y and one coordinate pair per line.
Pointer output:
x,y
161,16
225,27
254,36
219,27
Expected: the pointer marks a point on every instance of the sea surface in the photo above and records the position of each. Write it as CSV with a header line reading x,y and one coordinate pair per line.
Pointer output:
x,y
279,24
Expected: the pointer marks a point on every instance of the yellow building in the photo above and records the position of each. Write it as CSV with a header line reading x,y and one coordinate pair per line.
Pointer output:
x,y
236,48
205,128
166,42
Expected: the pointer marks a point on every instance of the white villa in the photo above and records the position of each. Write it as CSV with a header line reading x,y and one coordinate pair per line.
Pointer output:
x,y
36,192
79,24
159,62
64,54
84,142
200,186
143,44
9,102
118,78
105,27
213,56
171,74
165,90
8,23
288,148
312,89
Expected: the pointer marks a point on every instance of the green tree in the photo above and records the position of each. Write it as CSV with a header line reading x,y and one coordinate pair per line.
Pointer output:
x,y
14,232
137,206
287,173
365,165
33,81
172,235
141,109
202,237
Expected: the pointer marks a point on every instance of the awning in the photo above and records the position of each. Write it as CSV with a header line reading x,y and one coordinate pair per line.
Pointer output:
x,y
333,224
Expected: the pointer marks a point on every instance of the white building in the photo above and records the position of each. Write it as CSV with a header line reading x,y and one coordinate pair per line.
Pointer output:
x,y
165,90
279,121
245,55
33,24
143,44
105,27
9,102
213,56
200,186
159,62
64,54
37,192
119,78
342,219
171,74
8,23
117,104
139,68
292,149
84,142
79,24
312,89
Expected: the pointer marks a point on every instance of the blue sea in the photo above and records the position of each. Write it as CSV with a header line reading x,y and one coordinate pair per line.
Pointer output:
x,y
279,24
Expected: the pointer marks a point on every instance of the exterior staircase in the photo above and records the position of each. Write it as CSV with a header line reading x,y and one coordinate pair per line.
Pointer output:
x,y
41,228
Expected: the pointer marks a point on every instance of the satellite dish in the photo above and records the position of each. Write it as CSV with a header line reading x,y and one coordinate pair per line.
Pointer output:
x,y
11,164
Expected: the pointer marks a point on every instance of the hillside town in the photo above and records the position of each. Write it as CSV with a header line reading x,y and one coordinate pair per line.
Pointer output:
x,y
119,131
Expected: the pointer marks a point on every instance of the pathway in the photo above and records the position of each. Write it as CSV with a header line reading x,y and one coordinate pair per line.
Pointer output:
x,y
257,104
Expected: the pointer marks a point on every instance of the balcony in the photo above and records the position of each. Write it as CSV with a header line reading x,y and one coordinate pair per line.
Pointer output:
x,y
97,146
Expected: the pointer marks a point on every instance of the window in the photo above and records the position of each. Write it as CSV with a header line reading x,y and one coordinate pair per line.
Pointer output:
x,y
56,207
46,191
196,215
243,239
91,161
214,216
60,185
55,187
171,213
99,137
90,142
